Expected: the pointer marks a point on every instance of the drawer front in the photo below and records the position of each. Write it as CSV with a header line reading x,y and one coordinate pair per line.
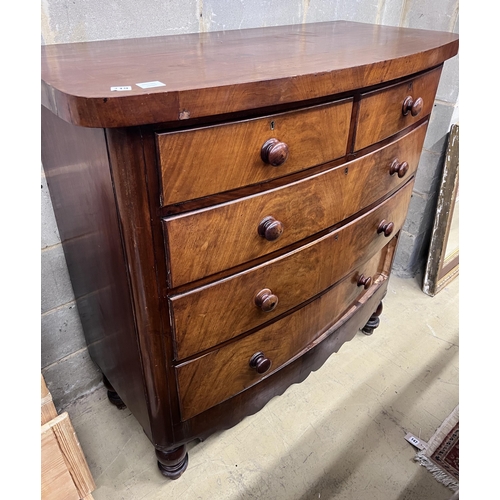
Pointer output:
x,y
207,241
255,296
222,373
381,112
205,161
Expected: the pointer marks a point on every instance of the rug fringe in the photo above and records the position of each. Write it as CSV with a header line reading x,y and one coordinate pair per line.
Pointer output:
x,y
437,472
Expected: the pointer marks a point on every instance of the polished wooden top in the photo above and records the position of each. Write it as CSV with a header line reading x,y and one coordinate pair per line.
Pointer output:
x,y
222,72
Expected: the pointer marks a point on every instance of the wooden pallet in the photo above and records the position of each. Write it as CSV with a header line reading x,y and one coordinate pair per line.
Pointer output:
x,y
65,473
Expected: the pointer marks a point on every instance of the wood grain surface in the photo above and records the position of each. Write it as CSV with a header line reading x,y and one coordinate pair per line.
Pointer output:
x,y
204,161
204,242
206,74
224,372
381,112
48,410
65,472
201,318
252,399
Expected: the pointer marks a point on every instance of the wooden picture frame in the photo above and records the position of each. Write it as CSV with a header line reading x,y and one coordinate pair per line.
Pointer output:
x,y
443,261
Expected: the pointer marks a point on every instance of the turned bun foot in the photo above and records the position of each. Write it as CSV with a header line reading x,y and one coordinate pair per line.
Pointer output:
x,y
113,395
172,463
373,322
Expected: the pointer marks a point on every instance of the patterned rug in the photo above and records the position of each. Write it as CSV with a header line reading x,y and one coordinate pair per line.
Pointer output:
x,y
441,455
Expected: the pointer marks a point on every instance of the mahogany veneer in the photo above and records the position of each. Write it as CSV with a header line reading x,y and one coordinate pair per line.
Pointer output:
x,y
242,157
229,229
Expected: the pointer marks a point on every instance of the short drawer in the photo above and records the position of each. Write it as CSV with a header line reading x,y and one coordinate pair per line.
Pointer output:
x,y
385,112
204,161
253,297
207,241
224,372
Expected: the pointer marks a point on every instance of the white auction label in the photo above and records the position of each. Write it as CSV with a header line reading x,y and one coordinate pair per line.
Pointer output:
x,y
418,443
120,88
149,85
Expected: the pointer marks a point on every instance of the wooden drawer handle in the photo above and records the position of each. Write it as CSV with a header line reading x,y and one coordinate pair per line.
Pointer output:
x,y
266,300
385,227
411,106
365,281
270,228
260,363
274,152
399,168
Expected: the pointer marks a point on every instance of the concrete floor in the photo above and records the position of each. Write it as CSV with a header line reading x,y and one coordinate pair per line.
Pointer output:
x,y
340,434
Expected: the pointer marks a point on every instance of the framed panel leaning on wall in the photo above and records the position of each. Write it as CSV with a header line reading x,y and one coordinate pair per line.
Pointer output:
x,y
442,263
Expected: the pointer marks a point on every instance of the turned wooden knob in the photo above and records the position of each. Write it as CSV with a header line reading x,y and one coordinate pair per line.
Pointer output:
x,y
364,281
260,363
270,228
411,106
385,227
274,152
266,300
399,168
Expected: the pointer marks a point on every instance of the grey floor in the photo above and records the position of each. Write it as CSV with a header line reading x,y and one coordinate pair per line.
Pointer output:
x,y
340,434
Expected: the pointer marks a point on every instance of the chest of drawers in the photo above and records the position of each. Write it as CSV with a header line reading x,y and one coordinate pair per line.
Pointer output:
x,y
229,205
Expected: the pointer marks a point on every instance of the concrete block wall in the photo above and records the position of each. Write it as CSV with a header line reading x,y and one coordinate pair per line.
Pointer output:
x,y
65,363
413,247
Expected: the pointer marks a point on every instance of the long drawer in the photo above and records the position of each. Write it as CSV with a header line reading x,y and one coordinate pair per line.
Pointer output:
x,y
253,297
385,112
224,372
207,241
199,162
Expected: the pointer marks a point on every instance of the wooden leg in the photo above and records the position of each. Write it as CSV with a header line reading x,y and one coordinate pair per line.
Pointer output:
x,y
374,321
113,395
172,463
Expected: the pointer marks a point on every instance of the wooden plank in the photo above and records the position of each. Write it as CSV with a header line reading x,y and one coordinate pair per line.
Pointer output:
x,y
47,406
53,479
57,482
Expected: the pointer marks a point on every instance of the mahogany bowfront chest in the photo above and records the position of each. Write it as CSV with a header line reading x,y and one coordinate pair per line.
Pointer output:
x,y
229,205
